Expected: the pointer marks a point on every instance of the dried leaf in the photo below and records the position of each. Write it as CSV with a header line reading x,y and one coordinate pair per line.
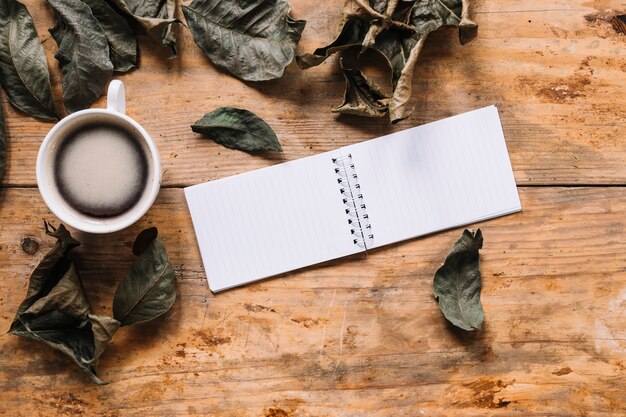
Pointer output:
x,y
426,17
362,96
3,144
352,34
619,23
56,311
83,54
398,30
121,39
23,66
156,17
144,239
254,40
238,129
149,289
457,283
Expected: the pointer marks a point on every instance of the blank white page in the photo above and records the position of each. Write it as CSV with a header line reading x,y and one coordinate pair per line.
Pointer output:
x,y
436,176
269,221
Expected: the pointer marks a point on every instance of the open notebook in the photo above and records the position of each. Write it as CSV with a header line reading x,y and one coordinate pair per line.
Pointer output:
x,y
411,183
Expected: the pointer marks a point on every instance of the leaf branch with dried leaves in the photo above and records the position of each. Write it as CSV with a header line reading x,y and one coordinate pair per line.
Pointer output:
x,y
397,30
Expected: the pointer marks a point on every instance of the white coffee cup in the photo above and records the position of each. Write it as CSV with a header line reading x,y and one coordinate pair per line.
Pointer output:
x,y
113,114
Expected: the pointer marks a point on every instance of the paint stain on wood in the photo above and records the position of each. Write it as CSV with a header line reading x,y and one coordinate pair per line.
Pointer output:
x,y
309,322
561,90
180,352
484,393
67,404
567,89
563,371
276,412
256,308
209,338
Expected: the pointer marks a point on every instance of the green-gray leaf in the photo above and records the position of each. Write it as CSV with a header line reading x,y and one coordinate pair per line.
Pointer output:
x,y
253,40
457,283
121,39
156,17
238,129
362,96
23,66
56,311
83,54
149,289
3,144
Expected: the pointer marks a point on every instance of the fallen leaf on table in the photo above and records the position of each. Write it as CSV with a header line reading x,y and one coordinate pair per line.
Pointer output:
x,y
56,311
253,40
23,65
83,54
121,39
156,17
457,283
238,129
397,30
149,289
362,96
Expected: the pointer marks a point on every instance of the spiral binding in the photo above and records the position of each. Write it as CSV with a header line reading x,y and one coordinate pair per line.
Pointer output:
x,y
350,190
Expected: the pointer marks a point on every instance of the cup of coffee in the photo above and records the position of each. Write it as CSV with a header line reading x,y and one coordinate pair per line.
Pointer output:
x,y
98,170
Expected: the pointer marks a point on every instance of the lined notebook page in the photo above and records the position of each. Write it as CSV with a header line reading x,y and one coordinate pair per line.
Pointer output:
x,y
436,176
266,222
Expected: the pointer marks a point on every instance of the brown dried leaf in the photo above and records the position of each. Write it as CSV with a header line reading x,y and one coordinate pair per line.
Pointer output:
x,y
362,96
397,29
56,311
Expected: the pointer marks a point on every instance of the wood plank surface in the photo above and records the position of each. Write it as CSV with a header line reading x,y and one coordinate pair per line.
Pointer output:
x,y
555,70
355,337
361,336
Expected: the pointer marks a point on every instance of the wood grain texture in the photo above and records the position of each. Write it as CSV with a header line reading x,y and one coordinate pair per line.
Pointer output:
x,y
361,336
556,72
355,337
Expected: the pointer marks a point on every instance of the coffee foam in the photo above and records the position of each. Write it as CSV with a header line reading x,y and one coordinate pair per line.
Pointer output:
x,y
101,170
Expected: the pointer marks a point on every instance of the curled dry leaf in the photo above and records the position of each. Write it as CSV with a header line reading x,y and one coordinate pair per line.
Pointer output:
x,y
362,96
156,17
397,30
457,283
56,311
619,23
238,129
3,144
254,40
23,66
121,39
149,289
83,54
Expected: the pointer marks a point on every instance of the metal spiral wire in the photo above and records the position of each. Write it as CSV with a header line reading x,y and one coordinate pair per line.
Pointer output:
x,y
356,209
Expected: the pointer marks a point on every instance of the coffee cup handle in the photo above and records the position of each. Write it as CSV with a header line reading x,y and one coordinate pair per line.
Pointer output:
x,y
116,97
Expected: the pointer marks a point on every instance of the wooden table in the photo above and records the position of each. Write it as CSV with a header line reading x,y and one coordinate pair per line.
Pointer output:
x,y
362,336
